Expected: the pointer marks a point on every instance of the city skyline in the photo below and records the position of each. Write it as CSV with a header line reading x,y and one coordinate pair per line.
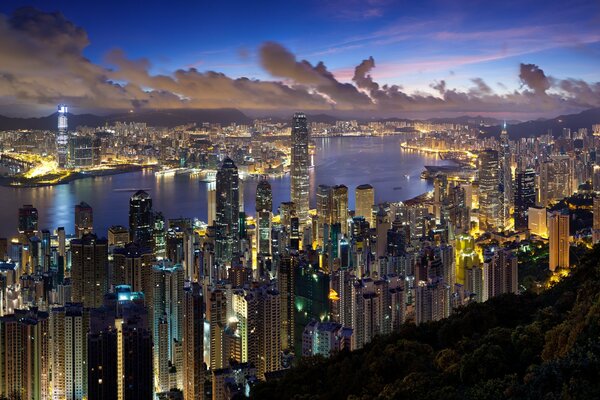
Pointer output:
x,y
376,58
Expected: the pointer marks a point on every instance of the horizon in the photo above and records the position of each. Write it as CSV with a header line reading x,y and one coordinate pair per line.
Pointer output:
x,y
372,59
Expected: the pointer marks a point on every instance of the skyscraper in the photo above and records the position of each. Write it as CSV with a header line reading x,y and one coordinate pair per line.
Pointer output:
x,y
62,137
524,196
193,343
558,236
141,224
228,212
505,178
364,200
490,198
299,167
89,263
500,274
84,219
339,207
264,207
28,220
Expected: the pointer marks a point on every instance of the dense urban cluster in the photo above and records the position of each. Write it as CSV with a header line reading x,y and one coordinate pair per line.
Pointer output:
x,y
178,310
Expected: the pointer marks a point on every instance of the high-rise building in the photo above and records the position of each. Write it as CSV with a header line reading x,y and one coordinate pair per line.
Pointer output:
x,y
24,342
84,219
364,201
141,224
505,178
286,278
264,208
556,179
89,264
537,221
216,317
28,220
339,207
69,328
524,197
62,137
432,301
132,265
300,163
228,213
596,221
558,236
500,274
118,236
490,207
193,343
325,339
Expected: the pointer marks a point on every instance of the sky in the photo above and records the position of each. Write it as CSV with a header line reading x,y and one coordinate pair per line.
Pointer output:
x,y
511,59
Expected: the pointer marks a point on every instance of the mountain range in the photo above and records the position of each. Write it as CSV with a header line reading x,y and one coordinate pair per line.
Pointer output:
x,y
171,118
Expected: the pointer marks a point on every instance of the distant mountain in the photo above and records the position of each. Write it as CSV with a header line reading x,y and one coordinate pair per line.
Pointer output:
x,y
469,120
584,119
168,118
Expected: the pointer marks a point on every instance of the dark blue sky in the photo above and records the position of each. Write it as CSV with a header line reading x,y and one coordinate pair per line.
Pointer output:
x,y
414,43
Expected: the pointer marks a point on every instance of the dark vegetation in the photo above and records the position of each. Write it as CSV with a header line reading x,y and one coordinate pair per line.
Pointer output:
x,y
514,346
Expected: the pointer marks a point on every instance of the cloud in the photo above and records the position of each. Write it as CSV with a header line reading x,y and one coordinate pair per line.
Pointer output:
x,y
43,64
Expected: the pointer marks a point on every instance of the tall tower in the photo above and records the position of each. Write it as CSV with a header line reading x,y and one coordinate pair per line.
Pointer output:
x,y
489,194
228,212
339,207
141,224
264,208
524,196
558,236
89,261
193,343
299,166
505,178
84,219
364,201
62,137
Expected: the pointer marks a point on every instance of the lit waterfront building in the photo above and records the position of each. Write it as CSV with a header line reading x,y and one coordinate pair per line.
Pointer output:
x,y
141,222
62,137
228,213
364,201
558,236
490,198
300,164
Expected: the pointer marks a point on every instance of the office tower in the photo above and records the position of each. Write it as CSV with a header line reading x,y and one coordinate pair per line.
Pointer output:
x,y
141,222
120,349
432,301
264,207
364,201
339,207
537,221
165,303
84,219
89,264
455,212
24,341
132,265
28,220
524,197
228,213
382,225
323,211
325,339
159,236
286,279
505,178
490,206
193,343
62,137
300,164
440,192
69,328
596,221
556,179
558,236
211,201
466,257
216,317
500,274
118,236
84,151
258,315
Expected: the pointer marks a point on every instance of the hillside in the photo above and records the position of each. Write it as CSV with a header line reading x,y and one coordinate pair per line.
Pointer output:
x,y
516,347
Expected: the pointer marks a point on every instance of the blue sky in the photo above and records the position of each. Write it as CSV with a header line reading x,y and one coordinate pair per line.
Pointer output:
x,y
413,43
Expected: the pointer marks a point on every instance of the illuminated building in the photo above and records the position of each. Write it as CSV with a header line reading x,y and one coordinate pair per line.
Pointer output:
x,y
339,207
524,197
382,226
89,260
500,274
84,219
159,238
325,339
62,137
120,348
69,327
216,317
466,257
490,207
556,181
537,221
228,213
132,265
25,349
505,178
264,207
84,151
28,220
364,201
474,283
118,236
300,164
211,202
193,343
286,279
432,301
440,192
141,222
596,222
558,236
311,296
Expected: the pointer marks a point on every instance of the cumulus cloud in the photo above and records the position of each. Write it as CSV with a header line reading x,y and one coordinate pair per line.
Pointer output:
x,y
43,64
